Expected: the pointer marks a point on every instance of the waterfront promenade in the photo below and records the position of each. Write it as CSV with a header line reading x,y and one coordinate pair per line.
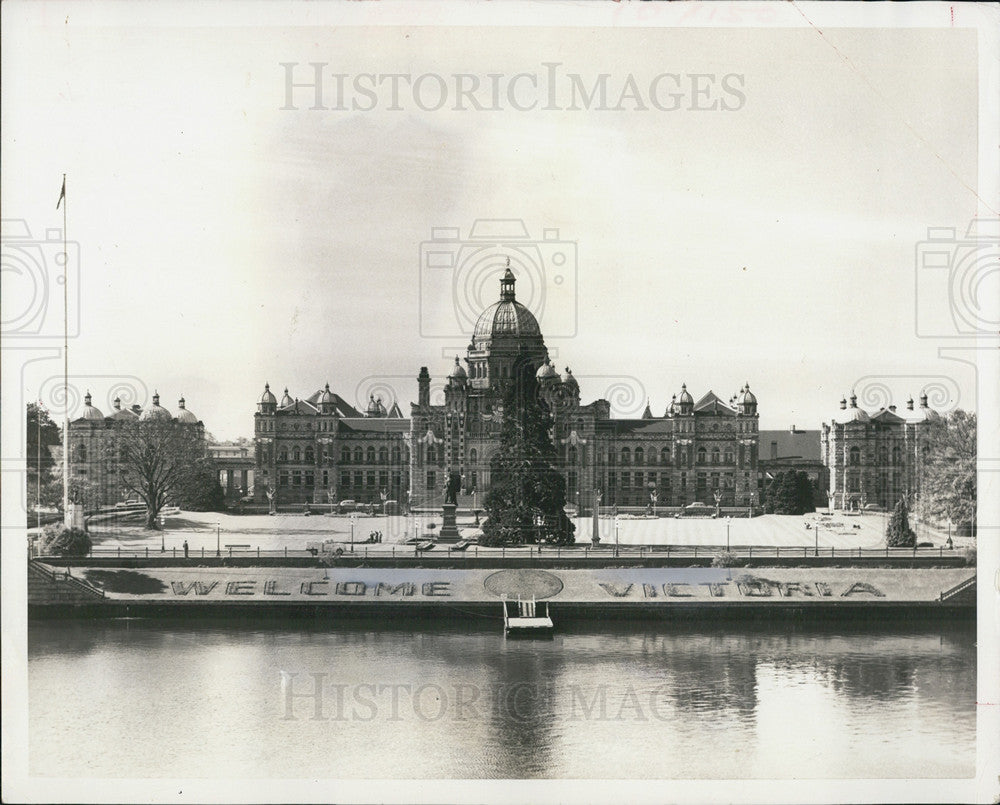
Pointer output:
x,y
291,532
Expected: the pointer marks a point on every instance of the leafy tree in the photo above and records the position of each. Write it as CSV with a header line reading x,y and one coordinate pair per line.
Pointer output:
x,y
201,490
157,460
948,490
898,533
527,493
43,439
62,541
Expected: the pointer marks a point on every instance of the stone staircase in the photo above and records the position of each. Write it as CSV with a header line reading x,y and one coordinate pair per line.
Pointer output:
x,y
49,586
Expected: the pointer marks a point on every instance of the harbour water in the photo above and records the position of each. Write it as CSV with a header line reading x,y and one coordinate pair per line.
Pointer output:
x,y
324,698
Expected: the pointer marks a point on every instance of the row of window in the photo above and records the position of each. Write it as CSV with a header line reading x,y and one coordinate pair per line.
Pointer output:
x,y
854,456
348,480
347,456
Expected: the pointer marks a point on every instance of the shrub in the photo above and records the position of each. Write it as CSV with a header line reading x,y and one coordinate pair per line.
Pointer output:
x,y
62,541
726,559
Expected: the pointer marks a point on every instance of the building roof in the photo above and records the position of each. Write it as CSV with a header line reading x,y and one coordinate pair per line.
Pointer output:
x,y
711,404
650,427
367,424
790,444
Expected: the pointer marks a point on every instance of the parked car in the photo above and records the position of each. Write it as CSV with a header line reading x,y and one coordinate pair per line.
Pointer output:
x,y
347,506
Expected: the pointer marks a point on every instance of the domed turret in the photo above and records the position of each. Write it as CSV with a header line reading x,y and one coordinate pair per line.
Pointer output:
x,y
851,412
326,398
286,399
267,398
547,372
122,414
747,401
685,402
375,407
155,412
89,411
672,407
508,317
458,371
183,415
570,382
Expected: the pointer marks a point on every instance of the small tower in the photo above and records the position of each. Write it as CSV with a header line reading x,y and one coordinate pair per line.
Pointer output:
x,y
424,388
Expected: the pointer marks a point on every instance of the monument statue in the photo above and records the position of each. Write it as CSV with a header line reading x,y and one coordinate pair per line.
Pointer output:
x,y
454,484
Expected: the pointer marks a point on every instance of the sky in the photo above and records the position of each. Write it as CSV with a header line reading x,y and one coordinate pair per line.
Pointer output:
x,y
225,241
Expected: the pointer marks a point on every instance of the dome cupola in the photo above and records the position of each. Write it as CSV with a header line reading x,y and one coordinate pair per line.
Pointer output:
x,y
155,412
547,372
458,372
183,415
286,399
570,382
506,318
89,411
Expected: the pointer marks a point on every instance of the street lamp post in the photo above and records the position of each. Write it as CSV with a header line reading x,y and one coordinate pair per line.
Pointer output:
x,y
218,539
353,520
728,523
816,536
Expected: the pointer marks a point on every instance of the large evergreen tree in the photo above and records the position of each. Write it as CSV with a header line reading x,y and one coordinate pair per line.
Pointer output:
x,y
789,492
527,495
898,533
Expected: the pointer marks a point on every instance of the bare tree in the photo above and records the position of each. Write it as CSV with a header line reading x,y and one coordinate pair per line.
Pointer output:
x,y
157,461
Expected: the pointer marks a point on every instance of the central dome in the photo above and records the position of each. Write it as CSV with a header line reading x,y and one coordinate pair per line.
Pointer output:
x,y
508,317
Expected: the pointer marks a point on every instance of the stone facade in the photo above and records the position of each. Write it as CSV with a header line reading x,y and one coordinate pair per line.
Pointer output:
x,y
874,458
323,450
91,444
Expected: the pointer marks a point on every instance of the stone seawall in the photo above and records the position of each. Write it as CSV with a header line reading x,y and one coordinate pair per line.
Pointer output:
x,y
598,589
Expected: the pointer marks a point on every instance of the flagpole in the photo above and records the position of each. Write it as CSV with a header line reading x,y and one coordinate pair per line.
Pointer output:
x,y
62,199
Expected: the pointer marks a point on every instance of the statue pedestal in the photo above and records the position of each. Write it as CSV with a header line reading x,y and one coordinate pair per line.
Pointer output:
x,y
449,530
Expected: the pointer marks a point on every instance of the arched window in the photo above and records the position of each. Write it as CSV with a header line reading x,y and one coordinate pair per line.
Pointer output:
x,y
729,455
310,456
283,455
571,456
665,455
296,454
81,452
854,458
473,456
345,455
431,454
396,455
383,455
359,457
626,457
370,455
715,455
701,455
639,455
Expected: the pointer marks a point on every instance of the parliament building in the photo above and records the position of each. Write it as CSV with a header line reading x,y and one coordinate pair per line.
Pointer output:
x,y
323,450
